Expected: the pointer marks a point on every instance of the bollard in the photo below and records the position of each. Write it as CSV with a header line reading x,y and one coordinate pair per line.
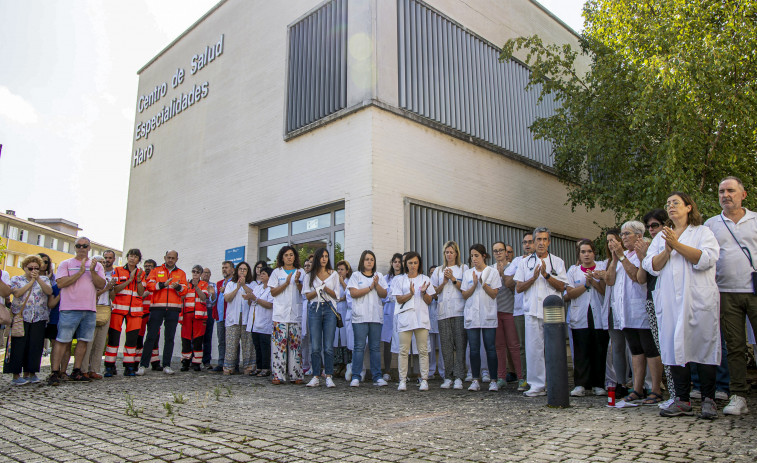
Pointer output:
x,y
555,357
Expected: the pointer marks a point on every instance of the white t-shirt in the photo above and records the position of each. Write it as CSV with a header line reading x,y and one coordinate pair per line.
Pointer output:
x,y
533,297
332,282
287,306
518,297
261,320
413,314
450,300
368,308
238,309
480,308
579,307
104,298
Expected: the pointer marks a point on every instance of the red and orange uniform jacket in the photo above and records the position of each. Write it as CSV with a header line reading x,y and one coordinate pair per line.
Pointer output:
x,y
128,301
165,296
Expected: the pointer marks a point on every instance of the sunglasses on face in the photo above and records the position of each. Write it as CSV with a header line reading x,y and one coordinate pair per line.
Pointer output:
x,y
81,246
195,271
653,226
31,269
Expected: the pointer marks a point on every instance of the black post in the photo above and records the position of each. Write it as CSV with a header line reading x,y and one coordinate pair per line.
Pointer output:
x,y
554,352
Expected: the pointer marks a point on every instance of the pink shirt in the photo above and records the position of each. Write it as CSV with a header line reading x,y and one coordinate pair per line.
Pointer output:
x,y
81,295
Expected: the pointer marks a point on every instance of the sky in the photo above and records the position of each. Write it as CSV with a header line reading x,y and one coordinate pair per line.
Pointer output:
x,y
68,90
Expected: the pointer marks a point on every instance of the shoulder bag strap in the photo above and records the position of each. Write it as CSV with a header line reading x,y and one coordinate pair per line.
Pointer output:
x,y
744,249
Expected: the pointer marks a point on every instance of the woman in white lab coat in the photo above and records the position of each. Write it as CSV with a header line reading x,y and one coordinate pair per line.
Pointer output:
x,y
260,323
447,279
387,329
413,292
630,313
479,287
588,321
286,341
687,302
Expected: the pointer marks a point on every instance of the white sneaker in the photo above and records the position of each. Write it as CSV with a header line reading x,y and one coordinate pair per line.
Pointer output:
x,y
667,403
348,372
474,386
447,384
355,383
598,391
423,386
485,378
167,370
380,383
458,384
330,382
493,386
387,377
737,406
695,394
535,392
140,371
315,382
578,391
721,395
469,378
402,386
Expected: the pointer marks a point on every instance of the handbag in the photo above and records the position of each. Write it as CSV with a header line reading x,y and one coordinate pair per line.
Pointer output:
x,y
103,315
17,326
339,321
6,317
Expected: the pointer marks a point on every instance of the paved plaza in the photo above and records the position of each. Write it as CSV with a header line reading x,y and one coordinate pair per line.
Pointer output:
x,y
192,417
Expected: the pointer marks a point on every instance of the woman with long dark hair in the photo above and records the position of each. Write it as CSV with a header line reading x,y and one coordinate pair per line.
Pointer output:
x,y
367,287
320,288
237,312
287,317
395,269
260,323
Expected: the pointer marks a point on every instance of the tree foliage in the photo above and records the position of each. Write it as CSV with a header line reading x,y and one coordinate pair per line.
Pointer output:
x,y
669,102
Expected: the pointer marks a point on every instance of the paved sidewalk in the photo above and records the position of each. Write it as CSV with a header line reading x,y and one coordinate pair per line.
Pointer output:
x,y
238,418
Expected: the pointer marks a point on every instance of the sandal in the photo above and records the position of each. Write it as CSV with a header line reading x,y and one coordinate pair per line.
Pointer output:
x,y
652,399
276,381
633,397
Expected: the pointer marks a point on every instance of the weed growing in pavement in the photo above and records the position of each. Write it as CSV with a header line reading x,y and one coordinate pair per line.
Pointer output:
x,y
179,398
131,410
204,430
169,408
228,390
217,392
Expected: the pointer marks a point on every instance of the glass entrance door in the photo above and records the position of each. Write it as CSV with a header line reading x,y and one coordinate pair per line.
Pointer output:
x,y
308,246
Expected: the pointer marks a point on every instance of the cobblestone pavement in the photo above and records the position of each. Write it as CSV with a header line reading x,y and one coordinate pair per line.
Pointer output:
x,y
238,418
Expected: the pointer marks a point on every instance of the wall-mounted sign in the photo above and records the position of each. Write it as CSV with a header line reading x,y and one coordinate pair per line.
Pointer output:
x,y
235,255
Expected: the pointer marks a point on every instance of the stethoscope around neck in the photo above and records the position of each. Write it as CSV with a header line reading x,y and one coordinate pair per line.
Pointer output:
x,y
532,266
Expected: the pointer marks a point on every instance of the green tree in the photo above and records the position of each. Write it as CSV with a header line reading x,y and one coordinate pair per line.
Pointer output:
x,y
669,102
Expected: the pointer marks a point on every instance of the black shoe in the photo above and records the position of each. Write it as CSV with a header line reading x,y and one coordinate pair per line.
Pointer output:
x,y
218,369
129,371
156,366
511,378
110,372
184,365
78,376
208,366
53,379
196,367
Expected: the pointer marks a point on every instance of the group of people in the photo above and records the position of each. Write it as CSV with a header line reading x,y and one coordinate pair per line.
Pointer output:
x,y
666,299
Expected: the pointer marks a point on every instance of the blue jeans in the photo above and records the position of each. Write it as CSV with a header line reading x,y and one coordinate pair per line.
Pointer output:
x,y
207,342
722,378
157,316
474,340
221,334
322,327
373,332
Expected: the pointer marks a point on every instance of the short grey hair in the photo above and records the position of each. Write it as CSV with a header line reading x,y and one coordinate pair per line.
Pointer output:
x,y
636,227
542,230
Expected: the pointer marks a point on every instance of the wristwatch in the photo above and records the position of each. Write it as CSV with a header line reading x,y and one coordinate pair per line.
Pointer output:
x,y
548,276
621,258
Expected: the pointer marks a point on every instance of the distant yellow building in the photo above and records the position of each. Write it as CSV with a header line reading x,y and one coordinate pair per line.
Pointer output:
x,y
54,237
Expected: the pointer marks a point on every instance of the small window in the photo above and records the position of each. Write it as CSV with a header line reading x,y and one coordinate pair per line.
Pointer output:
x,y
13,233
339,217
40,240
67,247
9,261
2,229
23,236
275,232
19,260
54,244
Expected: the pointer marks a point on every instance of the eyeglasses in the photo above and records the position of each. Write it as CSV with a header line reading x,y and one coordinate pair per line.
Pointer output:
x,y
196,271
81,246
672,204
526,241
653,226
31,269
498,251
624,234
